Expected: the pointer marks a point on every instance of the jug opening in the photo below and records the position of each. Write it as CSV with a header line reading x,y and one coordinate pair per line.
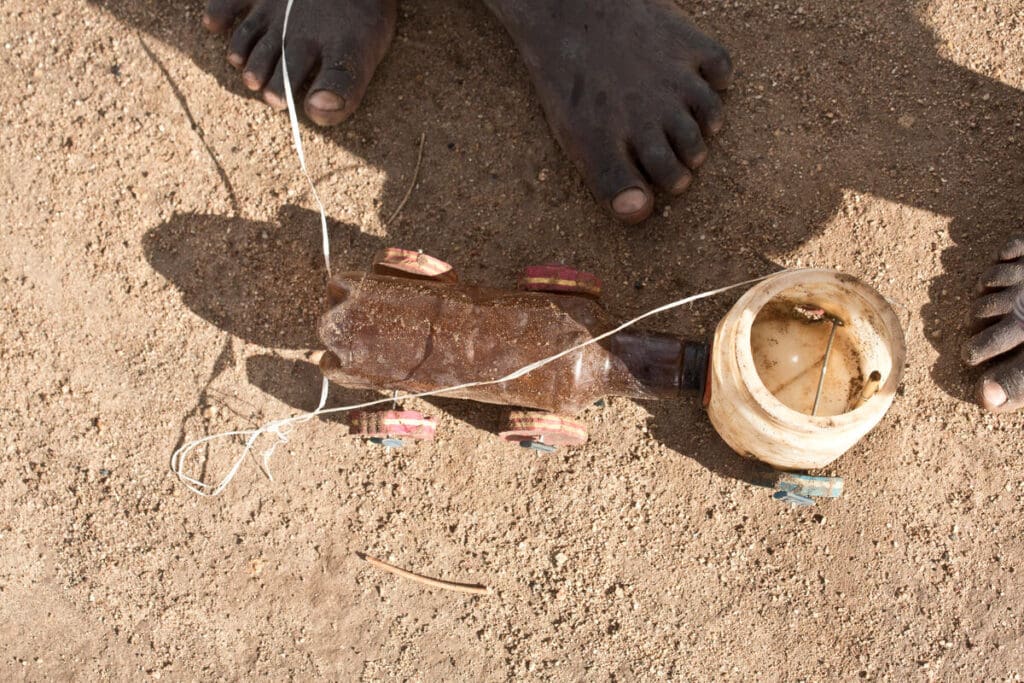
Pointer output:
x,y
810,357
767,359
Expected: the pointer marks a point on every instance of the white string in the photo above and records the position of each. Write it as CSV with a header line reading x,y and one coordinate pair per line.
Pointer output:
x,y
297,139
282,428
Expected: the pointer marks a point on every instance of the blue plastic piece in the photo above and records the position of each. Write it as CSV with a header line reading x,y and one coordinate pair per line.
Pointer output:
x,y
538,446
808,486
793,498
388,442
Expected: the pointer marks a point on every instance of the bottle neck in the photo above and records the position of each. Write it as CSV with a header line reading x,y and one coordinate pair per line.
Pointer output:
x,y
652,365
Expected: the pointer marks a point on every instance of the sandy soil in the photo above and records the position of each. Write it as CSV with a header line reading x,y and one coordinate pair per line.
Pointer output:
x,y
160,281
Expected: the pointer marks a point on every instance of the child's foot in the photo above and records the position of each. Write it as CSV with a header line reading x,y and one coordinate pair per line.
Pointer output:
x,y
1001,388
628,87
334,46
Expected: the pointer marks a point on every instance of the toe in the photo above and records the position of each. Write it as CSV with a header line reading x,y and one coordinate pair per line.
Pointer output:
x,y
221,15
997,303
684,134
614,180
1003,275
326,108
1002,389
262,61
334,94
1013,250
716,67
301,59
659,161
632,205
706,106
245,37
996,339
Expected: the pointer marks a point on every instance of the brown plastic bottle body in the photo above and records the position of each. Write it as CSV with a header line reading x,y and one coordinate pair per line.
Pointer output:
x,y
385,332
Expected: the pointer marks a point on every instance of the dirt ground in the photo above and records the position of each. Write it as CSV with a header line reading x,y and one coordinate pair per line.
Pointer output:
x,y
161,280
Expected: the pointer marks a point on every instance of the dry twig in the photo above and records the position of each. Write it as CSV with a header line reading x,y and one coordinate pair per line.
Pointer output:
x,y
415,177
475,589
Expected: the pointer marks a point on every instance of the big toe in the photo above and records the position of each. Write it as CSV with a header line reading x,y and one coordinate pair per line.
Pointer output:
x,y
345,70
632,204
615,180
1002,389
326,108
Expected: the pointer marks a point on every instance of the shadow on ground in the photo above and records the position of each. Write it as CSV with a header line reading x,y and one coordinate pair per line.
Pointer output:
x,y
829,98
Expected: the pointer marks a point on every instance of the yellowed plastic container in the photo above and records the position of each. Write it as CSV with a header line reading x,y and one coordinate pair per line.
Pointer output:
x,y
766,366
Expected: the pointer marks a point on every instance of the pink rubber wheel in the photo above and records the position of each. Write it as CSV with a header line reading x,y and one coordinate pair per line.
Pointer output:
x,y
405,262
547,428
561,279
404,424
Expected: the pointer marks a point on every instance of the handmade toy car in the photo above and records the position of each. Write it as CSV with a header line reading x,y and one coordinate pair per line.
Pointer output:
x,y
410,325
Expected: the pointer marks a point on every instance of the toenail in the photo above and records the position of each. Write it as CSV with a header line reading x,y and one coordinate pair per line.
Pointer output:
x,y
628,202
682,184
251,80
992,394
275,100
236,60
325,100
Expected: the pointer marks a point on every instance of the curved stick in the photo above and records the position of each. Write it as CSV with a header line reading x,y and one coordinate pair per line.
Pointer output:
x,y
474,588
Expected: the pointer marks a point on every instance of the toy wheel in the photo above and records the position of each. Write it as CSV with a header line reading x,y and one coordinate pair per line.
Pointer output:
x,y
802,489
561,279
392,425
414,264
542,431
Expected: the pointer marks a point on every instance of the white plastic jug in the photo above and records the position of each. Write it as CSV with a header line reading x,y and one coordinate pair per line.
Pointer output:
x,y
765,376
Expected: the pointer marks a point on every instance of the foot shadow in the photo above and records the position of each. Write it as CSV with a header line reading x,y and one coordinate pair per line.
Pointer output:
x,y
410,96
874,108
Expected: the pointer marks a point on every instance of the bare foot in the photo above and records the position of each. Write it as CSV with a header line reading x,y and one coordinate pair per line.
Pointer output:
x,y
1001,388
333,45
628,87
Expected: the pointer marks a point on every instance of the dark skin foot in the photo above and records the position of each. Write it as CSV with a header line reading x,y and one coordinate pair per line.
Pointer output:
x,y
334,46
1001,388
628,87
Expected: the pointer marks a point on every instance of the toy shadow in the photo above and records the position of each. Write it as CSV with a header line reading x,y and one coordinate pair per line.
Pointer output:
x,y
683,427
873,109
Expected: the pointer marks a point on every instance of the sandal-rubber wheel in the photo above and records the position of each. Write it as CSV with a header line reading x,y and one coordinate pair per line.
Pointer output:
x,y
548,428
414,264
405,424
560,279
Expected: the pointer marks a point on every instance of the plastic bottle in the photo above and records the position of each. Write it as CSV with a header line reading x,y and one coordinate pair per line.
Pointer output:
x,y
385,332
